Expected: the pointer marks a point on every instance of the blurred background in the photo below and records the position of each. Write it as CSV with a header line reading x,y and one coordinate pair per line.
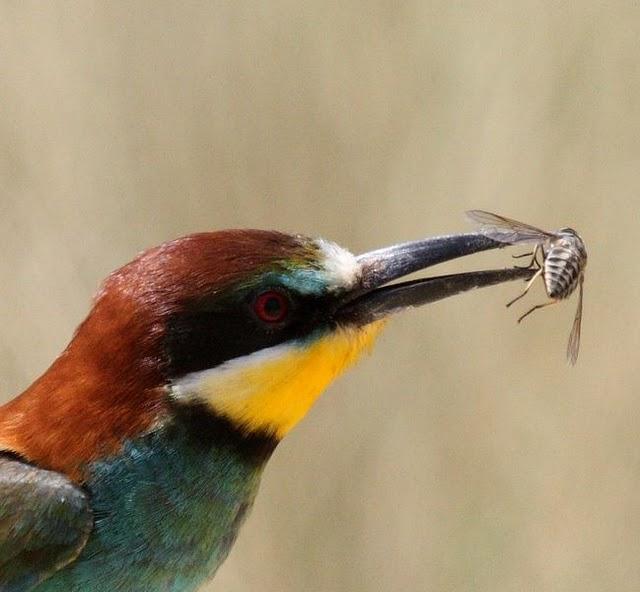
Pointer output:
x,y
463,455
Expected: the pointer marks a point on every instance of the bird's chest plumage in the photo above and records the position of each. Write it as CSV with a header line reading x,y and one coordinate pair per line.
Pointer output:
x,y
166,512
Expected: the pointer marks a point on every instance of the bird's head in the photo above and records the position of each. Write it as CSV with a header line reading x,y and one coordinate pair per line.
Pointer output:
x,y
249,325
245,323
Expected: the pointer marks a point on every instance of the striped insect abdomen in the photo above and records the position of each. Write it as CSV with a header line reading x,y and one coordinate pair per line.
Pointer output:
x,y
563,265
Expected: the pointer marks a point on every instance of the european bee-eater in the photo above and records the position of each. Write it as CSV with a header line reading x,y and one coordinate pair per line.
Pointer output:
x,y
131,463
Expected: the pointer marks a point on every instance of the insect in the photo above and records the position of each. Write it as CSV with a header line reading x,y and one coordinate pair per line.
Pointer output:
x,y
563,258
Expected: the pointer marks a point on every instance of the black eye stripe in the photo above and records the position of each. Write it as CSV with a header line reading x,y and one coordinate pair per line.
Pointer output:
x,y
210,332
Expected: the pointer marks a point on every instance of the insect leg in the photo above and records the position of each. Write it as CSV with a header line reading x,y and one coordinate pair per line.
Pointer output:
x,y
539,249
536,307
534,258
530,264
533,279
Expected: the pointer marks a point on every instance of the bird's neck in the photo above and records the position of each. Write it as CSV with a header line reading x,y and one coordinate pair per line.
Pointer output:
x,y
102,391
175,498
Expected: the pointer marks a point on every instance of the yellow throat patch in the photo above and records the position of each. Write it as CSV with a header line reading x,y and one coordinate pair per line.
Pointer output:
x,y
273,389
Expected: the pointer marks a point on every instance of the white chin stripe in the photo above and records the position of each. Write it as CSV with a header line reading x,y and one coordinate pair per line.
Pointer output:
x,y
190,386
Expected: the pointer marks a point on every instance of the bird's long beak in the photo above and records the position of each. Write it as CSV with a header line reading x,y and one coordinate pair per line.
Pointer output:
x,y
374,298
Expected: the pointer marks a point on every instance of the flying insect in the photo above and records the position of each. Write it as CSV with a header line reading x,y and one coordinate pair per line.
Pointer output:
x,y
560,257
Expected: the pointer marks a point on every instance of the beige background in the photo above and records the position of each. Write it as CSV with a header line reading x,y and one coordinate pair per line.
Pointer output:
x,y
463,455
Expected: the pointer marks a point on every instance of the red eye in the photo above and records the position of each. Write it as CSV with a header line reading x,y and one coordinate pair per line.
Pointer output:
x,y
271,306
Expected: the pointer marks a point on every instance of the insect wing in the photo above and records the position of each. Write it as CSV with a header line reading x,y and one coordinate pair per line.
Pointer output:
x,y
506,230
574,337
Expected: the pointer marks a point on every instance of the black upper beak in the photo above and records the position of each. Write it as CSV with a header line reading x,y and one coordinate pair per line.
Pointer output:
x,y
373,299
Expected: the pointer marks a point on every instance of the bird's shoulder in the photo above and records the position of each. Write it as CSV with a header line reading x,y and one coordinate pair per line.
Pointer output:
x,y
45,520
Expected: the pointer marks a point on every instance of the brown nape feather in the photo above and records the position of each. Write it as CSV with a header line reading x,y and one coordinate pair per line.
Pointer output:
x,y
108,385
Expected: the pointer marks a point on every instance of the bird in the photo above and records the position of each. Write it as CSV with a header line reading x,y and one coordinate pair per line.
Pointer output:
x,y
132,462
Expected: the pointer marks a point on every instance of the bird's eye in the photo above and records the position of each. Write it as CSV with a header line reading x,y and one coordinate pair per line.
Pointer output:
x,y
271,306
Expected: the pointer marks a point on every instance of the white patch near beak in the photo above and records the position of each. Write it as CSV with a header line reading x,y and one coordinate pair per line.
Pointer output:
x,y
341,267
